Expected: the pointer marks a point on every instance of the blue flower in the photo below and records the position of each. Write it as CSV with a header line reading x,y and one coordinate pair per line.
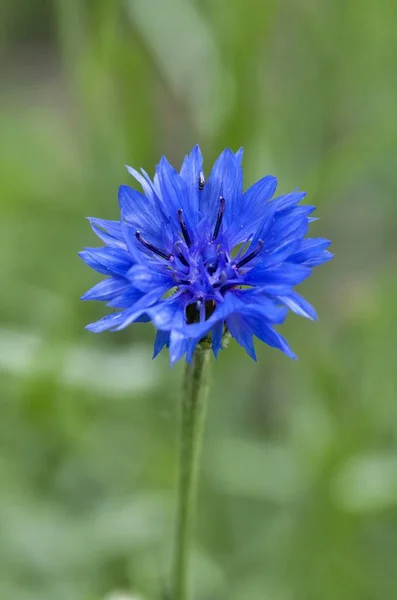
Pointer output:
x,y
201,257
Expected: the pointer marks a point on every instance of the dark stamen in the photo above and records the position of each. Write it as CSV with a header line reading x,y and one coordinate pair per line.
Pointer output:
x,y
252,255
201,181
150,246
185,232
179,253
182,259
219,217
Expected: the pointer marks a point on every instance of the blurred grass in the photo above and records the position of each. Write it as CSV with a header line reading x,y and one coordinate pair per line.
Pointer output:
x,y
299,492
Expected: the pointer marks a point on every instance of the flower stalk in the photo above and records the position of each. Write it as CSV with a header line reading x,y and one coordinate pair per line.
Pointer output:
x,y
195,392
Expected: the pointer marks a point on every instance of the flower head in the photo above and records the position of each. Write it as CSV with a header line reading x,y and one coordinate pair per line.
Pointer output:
x,y
201,257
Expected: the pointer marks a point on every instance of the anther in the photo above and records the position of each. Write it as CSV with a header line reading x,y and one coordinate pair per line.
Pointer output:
x,y
252,255
150,246
179,253
219,217
182,259
201,181
185,232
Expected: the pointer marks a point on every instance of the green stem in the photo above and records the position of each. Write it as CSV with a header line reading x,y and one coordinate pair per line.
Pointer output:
x,y
195,393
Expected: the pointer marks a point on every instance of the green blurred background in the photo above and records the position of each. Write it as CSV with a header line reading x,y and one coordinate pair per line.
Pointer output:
x,y
299,481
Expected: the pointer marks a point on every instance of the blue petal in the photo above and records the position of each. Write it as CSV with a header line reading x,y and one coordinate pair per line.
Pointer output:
x,y
257,195
112,228
139,308
147,186
162,339
285,273
107,289
107,260
107,322
256,302
270,336
288,201
299,305
252,209
282,252
266,225
126,299
226,179
138,211
190,173
319,259
118,320
217,334
109,240
174,193
309,249
145,279
270,290
191,347
178,346
277,226
242,333
168,314
284,230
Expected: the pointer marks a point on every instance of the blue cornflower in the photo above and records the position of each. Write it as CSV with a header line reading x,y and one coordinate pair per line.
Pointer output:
x,y
199,258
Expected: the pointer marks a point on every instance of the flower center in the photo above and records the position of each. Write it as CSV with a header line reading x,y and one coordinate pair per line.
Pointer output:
x,y
203,269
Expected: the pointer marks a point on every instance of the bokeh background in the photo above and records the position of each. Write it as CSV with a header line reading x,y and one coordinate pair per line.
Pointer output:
x,y
298,499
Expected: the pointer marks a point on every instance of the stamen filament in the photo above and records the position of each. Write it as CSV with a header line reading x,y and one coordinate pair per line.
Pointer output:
x,y
182,259
219,218
251,255
179,253
150,246
185,232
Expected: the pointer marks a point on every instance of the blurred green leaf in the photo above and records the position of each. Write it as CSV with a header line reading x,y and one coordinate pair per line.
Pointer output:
x,y
298,492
